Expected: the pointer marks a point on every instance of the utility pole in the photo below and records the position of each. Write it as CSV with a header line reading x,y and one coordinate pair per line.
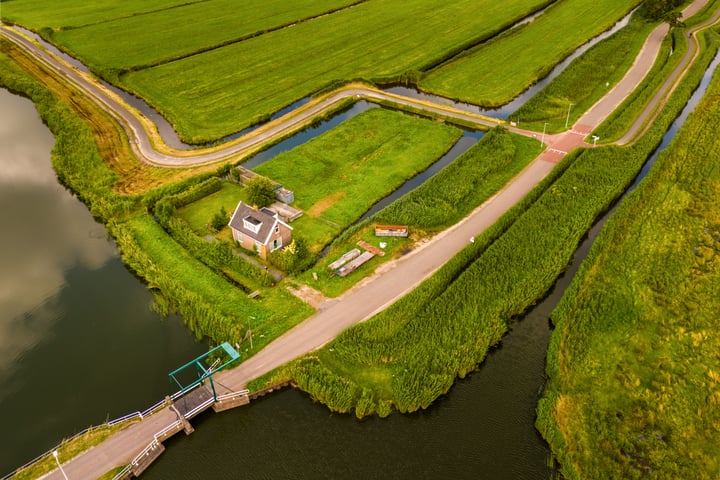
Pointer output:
x,y
568,115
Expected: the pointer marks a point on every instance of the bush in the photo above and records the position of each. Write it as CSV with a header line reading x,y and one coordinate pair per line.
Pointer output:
x,y
219,220
294,258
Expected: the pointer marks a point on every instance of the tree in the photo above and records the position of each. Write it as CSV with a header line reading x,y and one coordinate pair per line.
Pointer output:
x,y
662,10
260,191
219,220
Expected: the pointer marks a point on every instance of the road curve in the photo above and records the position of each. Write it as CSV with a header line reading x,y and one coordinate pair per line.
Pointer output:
x,y
151,150
389,283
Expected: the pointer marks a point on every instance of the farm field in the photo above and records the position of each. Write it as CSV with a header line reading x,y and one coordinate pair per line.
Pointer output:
x,y
339,175
184,30
496,72
221,91
633,364
75,13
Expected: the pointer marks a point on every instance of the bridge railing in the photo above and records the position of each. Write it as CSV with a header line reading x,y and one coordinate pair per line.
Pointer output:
x,y
126,418
158,406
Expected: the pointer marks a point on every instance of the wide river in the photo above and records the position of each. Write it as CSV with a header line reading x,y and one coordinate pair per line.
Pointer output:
x,y
79,344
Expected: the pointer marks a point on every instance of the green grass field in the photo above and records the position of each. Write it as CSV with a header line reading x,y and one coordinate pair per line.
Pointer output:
x,y
37,14
498,71
184,30
440,202
339,175
222,91
198,214
633,368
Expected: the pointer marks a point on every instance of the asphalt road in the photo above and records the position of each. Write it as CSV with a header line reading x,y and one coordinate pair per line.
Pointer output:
x,y
391,281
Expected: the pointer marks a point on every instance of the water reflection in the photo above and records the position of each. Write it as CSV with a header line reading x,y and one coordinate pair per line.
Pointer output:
x,y
35,207
78,341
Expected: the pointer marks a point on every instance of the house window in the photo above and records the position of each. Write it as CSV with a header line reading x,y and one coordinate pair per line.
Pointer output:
x,y
277,228
277,243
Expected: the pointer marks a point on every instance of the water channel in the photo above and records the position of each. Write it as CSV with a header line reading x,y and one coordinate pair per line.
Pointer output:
x,y
78,341
80,345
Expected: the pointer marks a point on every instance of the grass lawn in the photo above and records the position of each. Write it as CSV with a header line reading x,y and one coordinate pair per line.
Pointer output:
x,y
500,70
198,214
339,175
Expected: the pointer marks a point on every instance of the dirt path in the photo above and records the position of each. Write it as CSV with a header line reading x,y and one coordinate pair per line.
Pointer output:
x,y
390,283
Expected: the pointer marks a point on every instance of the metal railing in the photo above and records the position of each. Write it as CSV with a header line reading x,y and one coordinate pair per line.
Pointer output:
x,y
199,408
141,415
227,396
126,418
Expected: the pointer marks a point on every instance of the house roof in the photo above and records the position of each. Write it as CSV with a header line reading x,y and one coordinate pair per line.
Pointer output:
x,y
263,220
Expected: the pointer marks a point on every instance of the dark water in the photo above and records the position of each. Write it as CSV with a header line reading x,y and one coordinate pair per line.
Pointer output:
x,y
78,341
484,428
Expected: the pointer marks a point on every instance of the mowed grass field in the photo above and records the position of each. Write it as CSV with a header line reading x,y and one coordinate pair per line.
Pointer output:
x,y
342,173
163,35
221,91
503,68
55,14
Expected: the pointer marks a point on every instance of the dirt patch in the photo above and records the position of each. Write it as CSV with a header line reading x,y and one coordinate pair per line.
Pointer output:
x,y
308,295
324,203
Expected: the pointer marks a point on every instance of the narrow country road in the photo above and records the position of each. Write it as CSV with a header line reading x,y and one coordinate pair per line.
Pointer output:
x,y
393,280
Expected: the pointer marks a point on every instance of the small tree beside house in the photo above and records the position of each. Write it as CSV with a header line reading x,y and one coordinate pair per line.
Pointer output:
x,y
261,191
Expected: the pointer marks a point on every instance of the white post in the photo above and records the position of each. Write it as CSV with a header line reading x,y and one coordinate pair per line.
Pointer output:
x,y
542,140
250,329
55,454
595,139
568,115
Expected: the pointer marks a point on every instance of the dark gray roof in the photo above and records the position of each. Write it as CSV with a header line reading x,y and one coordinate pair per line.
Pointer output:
x,y
245,212
264,217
